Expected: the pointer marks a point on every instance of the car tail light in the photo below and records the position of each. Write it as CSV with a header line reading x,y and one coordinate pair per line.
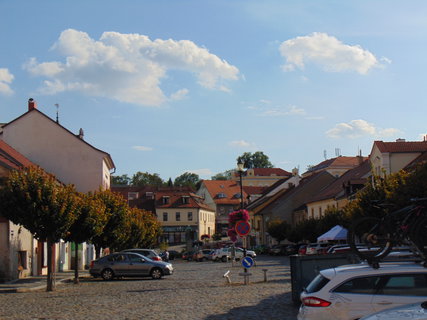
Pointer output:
x,y
156,259
91,264
315,302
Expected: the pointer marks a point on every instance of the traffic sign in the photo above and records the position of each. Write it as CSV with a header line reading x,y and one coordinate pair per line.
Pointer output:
x,y
243,228
247,262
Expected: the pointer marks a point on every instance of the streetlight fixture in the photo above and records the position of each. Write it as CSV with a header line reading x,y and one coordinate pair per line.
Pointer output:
x,y
240,170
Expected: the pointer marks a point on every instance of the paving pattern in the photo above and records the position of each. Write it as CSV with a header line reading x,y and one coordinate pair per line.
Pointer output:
x,y
197,290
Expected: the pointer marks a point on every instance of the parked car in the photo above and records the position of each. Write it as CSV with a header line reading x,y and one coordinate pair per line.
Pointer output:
x,y
187,255
291,249
128,264
149,253
173,254
204,254
278,249
225,254
353,291
413,311
302,249
317,248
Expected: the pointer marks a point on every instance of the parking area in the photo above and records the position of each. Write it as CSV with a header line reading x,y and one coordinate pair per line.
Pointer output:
x,y
196,290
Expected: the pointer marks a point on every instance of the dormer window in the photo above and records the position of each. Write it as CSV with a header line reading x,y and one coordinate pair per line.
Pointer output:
x,y
185,199
132,195
221,195
149,195
237,195
165,199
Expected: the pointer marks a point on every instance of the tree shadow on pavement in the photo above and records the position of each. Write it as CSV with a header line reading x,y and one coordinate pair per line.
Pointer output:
x,y
274,308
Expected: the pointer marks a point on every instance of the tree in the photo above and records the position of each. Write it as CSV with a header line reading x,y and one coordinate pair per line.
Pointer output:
x,y
116,231
122,180
226,175
142,229
90,222
146,179
255,160
36,200
187,179
278,229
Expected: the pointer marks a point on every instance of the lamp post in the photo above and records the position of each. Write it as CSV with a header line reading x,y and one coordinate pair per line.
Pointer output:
x,y
241,169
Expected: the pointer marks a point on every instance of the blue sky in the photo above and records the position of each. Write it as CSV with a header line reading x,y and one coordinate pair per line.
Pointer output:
x,y
173,86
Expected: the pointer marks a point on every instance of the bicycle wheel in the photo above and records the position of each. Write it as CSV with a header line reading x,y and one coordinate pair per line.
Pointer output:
x,y
419,236
369,239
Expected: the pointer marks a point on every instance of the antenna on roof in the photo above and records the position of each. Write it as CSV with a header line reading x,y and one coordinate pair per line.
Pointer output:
x,y
324,154
57,112
337,152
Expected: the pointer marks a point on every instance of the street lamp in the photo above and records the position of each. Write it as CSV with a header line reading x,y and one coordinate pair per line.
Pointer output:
x,y
240,170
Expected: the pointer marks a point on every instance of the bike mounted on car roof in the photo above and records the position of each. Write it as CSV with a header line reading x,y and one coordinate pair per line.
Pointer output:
x,y
406,226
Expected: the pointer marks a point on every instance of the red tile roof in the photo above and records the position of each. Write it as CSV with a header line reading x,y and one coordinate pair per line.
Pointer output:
x,y
341,161
11,158
176,197
229,188
401,146
266,172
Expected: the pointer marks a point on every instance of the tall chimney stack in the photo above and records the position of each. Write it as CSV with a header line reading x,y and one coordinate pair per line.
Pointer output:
x,y
31,104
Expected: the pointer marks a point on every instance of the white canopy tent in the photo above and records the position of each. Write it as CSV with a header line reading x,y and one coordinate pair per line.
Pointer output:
x,y
336,233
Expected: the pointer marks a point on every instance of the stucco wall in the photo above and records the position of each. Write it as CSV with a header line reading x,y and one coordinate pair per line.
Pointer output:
x,y
57,151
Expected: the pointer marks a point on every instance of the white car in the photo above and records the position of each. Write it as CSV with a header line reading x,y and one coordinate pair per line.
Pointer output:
x,y
414,311
225,254
353,291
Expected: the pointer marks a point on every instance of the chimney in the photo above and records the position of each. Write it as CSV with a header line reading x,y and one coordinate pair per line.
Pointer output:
x,y
400,140
81,134
31,104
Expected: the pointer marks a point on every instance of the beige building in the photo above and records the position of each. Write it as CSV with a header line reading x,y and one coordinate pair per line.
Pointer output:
x,y
390,157
183,216
263,177
57,150
66,155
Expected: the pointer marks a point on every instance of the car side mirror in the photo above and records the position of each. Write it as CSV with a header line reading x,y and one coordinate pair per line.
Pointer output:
x,y
142,260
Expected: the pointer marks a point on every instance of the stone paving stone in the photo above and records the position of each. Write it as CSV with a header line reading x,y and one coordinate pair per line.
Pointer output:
x,y
197,290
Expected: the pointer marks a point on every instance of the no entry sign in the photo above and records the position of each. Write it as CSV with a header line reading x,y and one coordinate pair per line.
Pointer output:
x,y
243,228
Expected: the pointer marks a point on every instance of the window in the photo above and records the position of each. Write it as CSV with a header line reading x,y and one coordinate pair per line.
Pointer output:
x,y
22,260
221,195
165,216
190,216
165,199
178,216
406,285
132,195
185,200
363,285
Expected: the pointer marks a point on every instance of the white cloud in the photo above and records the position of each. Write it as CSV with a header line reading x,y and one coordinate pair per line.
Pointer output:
x,y
6,79
360,128
127,67
280,112
142,148
201,172
179,95
327,52
239,143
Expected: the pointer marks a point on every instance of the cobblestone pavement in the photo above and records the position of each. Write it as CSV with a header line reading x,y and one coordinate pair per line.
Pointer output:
x,y
197,290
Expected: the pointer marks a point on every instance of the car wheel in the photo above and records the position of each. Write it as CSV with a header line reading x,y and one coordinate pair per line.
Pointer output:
x,y
224,259
156,273
107,274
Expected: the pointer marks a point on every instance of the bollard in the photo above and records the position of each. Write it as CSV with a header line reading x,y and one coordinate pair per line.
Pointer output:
x,y
246,276
265,274
227,276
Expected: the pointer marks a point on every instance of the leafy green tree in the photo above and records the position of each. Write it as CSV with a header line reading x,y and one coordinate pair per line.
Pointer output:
x,y
36,200
122,180
153,230
143,228
170,183
226,175
255,160
116,231
278,229
187,179
90,222
146,179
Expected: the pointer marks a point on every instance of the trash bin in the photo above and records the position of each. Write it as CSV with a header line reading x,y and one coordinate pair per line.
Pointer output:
x,y
306,268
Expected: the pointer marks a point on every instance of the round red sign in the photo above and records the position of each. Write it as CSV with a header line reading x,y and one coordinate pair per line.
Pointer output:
x,y
243,228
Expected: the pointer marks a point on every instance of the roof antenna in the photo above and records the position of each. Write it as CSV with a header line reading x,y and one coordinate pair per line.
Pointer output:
x,y
57,112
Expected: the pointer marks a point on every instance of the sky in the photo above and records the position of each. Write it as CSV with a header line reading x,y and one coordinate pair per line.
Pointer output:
x,y
169,86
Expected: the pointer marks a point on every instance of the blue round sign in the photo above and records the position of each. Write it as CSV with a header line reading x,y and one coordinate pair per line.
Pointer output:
x,y
247,262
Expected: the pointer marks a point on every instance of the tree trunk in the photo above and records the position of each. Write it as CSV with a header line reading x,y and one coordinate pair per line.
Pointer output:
x,y
50,284
97,252
76,263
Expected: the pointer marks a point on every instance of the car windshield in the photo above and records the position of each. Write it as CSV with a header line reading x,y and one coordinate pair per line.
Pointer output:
x,y
318,283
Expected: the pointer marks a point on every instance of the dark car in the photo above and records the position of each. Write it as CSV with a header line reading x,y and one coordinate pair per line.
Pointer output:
x,y
187,255
128,264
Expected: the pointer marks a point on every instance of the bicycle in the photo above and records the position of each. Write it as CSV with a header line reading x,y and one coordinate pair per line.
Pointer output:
x,y
406,226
